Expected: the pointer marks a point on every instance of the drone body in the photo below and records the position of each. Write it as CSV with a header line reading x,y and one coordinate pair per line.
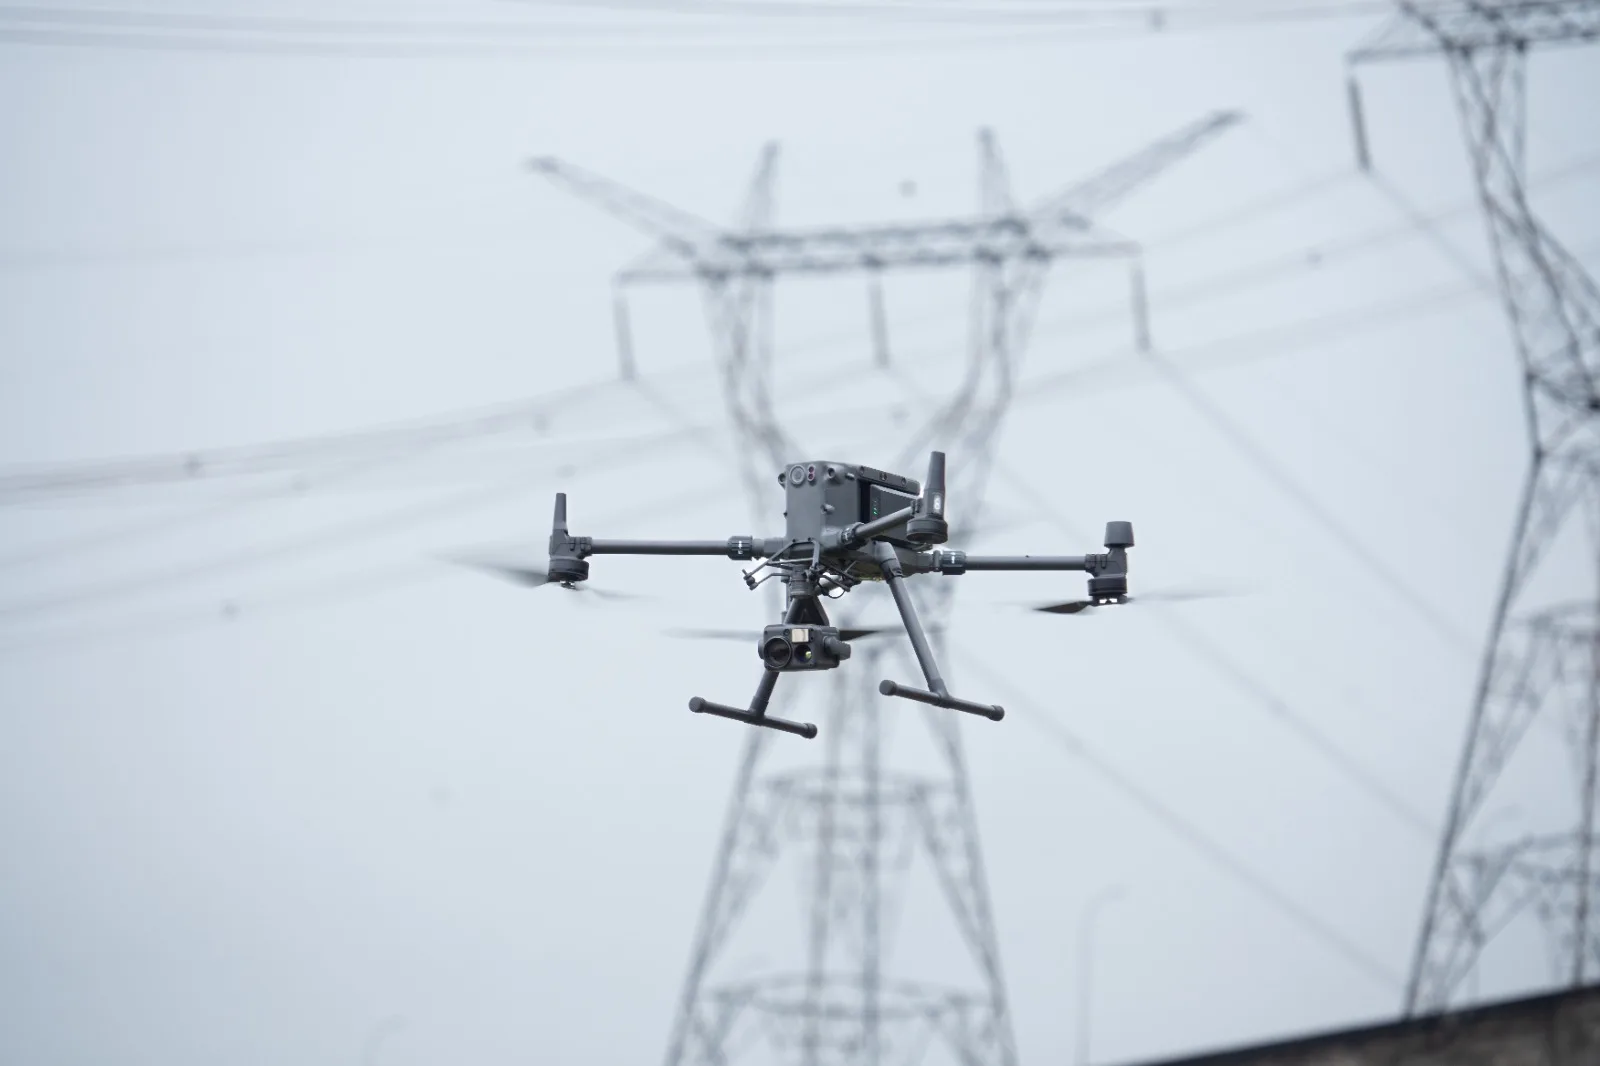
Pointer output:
x,y
844,524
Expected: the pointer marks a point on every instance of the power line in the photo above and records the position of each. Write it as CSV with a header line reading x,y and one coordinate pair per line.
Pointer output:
x,y
1232,671
21,482
367,526
370,38
488,420
1253,345
1372,562
459,426
322,591
1269,342
1203,843
1034,14
385,523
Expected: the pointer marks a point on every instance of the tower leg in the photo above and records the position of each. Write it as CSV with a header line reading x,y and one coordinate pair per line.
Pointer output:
x,y
1542,658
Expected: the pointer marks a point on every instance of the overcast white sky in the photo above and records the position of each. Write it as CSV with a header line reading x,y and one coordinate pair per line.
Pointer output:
x,y
277,787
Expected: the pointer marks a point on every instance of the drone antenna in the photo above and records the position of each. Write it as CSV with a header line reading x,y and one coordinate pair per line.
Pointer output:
x,y
567,564
928,525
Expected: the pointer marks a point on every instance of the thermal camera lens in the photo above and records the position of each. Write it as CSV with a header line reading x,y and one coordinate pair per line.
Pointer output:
x,y
776,653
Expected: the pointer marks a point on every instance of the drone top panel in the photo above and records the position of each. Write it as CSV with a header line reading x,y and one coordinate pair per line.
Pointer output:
x,y
822,495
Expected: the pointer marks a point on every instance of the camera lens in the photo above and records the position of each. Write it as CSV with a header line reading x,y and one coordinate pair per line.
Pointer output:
x,y
776,653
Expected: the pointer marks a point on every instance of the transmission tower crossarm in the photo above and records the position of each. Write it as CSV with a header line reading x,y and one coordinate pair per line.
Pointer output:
x,y
1058,227
1088,197
956,242
1463,26
678,230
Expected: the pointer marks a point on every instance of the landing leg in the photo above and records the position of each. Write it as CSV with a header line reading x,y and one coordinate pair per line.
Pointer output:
x,y
757,713
939,696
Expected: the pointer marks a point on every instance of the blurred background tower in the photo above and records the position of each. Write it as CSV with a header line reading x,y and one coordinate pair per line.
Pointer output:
x,y
856,821
1542,659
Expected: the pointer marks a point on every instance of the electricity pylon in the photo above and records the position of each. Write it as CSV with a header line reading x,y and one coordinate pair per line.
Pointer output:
x,y
1543,653
858,820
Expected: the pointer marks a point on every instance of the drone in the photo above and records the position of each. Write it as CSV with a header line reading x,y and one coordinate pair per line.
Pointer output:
x,y
845,523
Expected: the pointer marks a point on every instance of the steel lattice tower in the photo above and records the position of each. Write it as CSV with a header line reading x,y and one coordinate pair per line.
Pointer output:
x,y
857,820
1542,659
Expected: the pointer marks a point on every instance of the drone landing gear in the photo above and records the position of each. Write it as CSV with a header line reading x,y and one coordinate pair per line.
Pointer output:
x,y
940,696
757,714
942,699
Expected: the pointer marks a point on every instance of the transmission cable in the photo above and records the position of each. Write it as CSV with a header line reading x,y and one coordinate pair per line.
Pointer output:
x,y
1372,563
365,527
1203,843
386,523
360,585
1232,671
1237,348
319,592
294,453
134,29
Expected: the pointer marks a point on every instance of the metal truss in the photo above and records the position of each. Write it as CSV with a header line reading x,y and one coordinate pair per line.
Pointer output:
x,y
1426,29
1540,660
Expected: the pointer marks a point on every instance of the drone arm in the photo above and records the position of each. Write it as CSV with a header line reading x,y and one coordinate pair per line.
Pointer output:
x,y
1108,572
740,547
954,563
861,532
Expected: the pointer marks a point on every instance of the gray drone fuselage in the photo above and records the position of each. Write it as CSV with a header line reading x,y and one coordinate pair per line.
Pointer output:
x,y
824,500
845,523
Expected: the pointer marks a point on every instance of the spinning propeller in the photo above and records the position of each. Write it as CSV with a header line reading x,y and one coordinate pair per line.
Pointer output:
x,y
755,634
845,633
534,577
1168,596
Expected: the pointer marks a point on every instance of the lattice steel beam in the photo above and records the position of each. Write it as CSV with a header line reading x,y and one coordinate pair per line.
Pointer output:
x,y
1539,660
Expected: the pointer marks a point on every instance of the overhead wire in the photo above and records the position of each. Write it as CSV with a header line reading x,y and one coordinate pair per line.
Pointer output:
x,y
1344,763
134,29
385,523
321,591
77,635
299,488
255,458
187,466
1247,346
294,453
1033,14
57,547
1373,563
1236,348
282,454
1230,669
1203,843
